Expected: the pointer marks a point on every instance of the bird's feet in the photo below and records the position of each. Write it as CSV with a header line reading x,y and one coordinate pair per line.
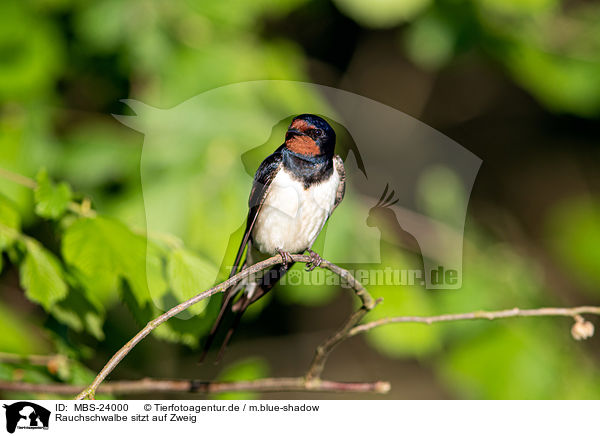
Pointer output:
x,y
286,258
315,260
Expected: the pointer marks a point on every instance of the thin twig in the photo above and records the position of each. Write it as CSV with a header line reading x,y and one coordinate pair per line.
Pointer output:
x,y
368,303
480,314
33,359
53,362
18,178
147,385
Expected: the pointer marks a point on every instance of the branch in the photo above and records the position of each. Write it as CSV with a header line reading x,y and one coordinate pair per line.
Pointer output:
x,y
33,359
573,312
17,178
315,369
311,381
147,385
322,352
52,362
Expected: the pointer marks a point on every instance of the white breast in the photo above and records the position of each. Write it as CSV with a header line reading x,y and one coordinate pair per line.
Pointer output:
x,y
292,217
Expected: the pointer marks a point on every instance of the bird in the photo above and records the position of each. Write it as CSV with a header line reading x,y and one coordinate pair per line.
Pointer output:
x,y
294,192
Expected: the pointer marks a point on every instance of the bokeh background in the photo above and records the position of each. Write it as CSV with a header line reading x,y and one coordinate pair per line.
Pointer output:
x,y
516,82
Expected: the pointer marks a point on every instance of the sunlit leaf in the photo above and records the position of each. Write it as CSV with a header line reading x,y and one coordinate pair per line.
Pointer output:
x,y
42,276
103,251
184,330
189,275
51,200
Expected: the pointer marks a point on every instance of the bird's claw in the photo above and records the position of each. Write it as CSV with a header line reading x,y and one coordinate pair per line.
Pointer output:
x,y
315,260
286,258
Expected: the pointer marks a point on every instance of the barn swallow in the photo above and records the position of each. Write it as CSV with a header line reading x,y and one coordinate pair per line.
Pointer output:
x,y
295,191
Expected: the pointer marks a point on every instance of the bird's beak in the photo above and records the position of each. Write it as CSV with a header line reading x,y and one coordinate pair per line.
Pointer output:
x,y
292,132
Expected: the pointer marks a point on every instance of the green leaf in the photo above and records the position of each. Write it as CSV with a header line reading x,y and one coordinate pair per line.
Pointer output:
x,y
42,276
189,275
184,331
102,251
77,312
51,201
10,223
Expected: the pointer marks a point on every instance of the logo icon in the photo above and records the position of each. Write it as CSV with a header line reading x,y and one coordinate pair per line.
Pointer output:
x,y
26,415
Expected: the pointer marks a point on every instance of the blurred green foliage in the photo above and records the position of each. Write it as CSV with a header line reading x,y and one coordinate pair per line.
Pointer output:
x,y
247,369
574,234
63,64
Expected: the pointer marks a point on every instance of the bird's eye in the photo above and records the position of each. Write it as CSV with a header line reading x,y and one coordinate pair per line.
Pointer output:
x,y
317,132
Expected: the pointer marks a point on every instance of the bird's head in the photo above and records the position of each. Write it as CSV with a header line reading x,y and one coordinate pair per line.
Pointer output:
x,y
310,135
